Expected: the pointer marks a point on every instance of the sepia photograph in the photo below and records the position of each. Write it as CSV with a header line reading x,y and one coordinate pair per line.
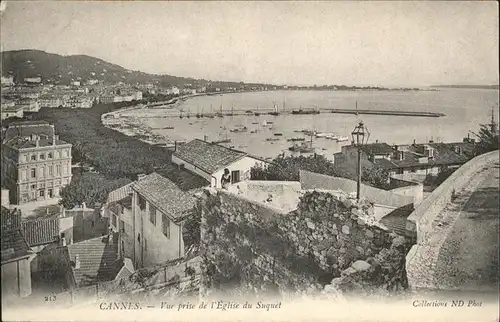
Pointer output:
x,y
250,161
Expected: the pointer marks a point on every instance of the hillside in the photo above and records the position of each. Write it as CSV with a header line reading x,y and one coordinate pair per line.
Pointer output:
x,y
468,86
62,69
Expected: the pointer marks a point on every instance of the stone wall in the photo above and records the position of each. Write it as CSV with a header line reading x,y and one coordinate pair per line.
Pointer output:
x,y
249,247
421,219
311,180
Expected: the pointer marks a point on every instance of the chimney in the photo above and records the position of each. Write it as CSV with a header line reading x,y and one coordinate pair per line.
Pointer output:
x,y
63,240
205,138
175,146
84,206
77,261
414,141
62,212
37,141
401,155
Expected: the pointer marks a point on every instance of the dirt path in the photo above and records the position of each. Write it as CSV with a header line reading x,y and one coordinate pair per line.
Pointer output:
x,y
468,259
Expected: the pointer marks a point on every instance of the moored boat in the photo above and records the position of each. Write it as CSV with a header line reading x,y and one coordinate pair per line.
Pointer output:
x,y
296,139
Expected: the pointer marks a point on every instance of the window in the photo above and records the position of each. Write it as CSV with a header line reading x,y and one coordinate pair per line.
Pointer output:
x,y
113,220
49,155
165,226
58,169
33,172
235,176
152,214
33,186
23,174
42,156
141,202
58,154
65,169
50,170
33,157
41,172
41,193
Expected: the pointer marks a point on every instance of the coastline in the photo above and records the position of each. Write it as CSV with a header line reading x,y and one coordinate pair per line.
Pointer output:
x,y
134,126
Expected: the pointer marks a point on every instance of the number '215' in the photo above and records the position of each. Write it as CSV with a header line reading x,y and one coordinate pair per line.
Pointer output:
x,y
50,298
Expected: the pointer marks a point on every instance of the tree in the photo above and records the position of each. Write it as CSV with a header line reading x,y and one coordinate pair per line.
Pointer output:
x,y
89,188
287,168
375,177
488,138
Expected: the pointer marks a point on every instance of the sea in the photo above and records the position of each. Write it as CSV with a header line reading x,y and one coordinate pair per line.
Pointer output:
x,y
267,136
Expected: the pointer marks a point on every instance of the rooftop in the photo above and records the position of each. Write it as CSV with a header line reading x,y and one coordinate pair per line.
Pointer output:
x,y
11,218
14,245
40,232
208,156
27,128
165,195
21,143
378,148
120,193
97,260
444,154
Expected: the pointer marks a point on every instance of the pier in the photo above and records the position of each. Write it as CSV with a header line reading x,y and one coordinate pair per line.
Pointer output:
x,y
319,111
385,112
269,112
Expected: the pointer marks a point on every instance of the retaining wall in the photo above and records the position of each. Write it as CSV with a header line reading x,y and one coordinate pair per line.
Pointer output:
x,y
311,180
250,247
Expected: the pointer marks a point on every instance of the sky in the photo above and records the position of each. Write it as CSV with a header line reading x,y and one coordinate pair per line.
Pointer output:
x,y
302,43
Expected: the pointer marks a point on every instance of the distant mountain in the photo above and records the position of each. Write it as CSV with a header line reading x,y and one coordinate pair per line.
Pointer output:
x,y
469,86
62,69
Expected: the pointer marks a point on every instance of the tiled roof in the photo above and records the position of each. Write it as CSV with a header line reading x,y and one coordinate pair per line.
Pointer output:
x,y
384,163
26,128
39,232
182,178
207,156
14,245
378,148
20,143
444,154
165,195
11,218
120,193
97,260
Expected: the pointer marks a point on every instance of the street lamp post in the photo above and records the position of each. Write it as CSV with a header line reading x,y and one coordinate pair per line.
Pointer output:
x,y
360,137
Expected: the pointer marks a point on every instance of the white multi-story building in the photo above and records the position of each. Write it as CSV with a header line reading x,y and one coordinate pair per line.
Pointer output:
x,y
28,105
35,163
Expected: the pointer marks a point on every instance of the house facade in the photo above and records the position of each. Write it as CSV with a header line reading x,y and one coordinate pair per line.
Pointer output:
x,y
118,209
209,161
14,111
15,261
35,163
159,209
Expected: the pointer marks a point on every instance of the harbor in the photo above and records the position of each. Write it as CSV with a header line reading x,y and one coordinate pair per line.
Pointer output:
x,y
243,121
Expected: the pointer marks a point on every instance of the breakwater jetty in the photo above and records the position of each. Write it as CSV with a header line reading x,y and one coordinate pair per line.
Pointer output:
x,y
177,113
385,112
